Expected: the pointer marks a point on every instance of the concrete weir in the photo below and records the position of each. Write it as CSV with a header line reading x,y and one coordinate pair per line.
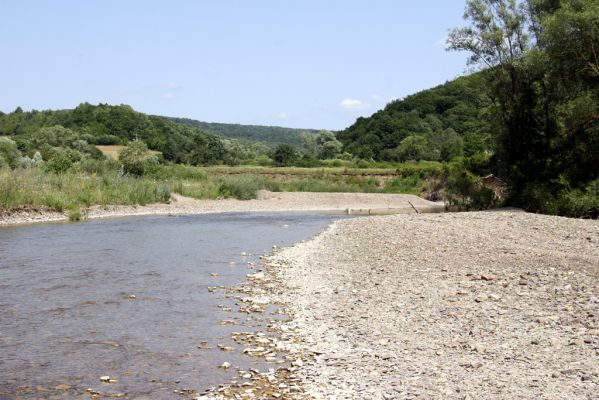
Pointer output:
x,y
409,209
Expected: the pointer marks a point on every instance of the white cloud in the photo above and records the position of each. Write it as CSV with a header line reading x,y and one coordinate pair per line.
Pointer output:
x,y
282,115
168,95
353,104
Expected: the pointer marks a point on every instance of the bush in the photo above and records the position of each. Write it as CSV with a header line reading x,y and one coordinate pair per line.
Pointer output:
x,y
464,190
60,162
137,159
284,155
558,198
583,203
245,187
362,164
9,153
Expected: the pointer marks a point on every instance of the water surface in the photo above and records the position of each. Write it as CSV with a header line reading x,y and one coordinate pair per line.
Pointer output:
x,y
67,316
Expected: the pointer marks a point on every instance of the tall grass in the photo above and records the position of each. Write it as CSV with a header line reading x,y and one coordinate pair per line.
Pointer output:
x,y
72,190
102,183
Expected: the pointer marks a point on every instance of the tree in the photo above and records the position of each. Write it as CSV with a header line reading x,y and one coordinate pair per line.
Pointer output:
x,y
328,145
309,144
413,147
543,57
284,155
498,39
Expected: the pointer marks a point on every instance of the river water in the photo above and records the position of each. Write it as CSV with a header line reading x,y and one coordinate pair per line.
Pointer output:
x,y
68,316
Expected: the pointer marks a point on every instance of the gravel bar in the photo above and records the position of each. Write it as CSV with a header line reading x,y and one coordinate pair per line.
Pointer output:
x,y
483,305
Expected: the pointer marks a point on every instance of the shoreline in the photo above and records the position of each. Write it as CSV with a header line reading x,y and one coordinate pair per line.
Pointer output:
x,y
465,305
349,203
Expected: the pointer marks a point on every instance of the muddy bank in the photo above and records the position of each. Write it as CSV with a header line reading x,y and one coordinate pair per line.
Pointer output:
x,y
361,203
465,306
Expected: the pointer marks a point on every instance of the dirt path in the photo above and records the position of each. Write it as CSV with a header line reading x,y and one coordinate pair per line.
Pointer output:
x,y
360,203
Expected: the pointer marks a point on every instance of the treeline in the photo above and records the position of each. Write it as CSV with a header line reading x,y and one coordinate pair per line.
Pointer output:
x,y
64,137
269,135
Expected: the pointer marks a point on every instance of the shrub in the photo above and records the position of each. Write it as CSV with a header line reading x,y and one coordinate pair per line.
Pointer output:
x,y
284,155
137,159
60,162
74,215
9,153
245,187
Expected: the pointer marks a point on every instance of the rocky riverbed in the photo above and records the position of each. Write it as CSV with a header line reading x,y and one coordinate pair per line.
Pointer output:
x,y
490,305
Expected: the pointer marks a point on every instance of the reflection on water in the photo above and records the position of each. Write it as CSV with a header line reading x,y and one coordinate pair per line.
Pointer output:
x,y
127,298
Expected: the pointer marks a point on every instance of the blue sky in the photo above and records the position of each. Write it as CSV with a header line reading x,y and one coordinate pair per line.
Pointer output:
x,y
303,63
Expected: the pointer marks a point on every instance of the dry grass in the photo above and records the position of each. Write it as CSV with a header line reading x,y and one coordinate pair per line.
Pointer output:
x,y
112,151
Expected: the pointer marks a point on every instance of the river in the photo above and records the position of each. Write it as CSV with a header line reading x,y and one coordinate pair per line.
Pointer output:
x,y
128,298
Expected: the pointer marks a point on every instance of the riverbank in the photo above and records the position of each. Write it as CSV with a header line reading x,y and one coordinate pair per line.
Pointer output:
x,y
357,203
467,305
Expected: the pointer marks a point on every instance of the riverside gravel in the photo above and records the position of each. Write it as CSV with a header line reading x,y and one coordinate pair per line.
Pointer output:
x,y
484,305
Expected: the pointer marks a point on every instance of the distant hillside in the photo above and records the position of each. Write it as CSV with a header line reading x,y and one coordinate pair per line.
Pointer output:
x,y
435,124
105,124
270,135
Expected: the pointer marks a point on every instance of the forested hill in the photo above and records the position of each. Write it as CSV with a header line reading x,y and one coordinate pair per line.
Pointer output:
x,y
435,124
270,135
105,124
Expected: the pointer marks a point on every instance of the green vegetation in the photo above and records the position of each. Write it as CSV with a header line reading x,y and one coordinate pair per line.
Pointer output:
x,y
85,126
268,135
438,124
72,190
103,182
543,73
529,118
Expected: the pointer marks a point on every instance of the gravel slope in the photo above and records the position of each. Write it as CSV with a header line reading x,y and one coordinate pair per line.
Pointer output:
x,y
488,305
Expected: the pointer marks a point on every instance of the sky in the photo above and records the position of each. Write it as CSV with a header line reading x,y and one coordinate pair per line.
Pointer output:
x,y
301,64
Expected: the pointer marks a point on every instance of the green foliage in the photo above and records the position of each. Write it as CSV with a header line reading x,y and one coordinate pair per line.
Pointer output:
x,y
137,159
88,125
245,187
269,135
61,161
465,190
71,190
284,155
412,147
422,169
439,119
544,72
75,215
404,184
9,153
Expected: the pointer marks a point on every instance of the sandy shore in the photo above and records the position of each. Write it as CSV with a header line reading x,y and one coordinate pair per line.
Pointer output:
x,y
357,203
488,305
